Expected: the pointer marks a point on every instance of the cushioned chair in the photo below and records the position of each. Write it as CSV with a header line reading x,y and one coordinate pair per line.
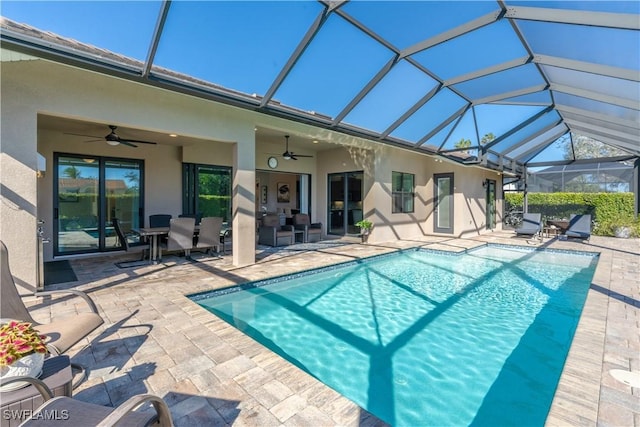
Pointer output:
x,y
273,234
531,225
180,236
62,334
579,227
71,412
209,234
312,231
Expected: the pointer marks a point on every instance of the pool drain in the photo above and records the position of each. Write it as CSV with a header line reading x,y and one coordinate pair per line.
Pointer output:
x,y
630,378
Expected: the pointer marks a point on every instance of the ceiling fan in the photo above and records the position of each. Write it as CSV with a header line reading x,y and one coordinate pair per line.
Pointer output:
x,y
114,139
289,155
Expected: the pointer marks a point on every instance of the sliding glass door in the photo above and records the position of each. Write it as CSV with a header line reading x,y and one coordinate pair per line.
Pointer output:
x,y
89,192
345,202
206,190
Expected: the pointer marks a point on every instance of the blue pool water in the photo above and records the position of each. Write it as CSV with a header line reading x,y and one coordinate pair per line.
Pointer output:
x,y
426,338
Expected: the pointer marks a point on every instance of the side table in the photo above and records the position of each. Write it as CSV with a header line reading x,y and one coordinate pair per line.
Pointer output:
x,y
17,405
550,231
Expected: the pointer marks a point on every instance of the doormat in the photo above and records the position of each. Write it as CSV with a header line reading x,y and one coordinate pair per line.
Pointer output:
x,y
58,272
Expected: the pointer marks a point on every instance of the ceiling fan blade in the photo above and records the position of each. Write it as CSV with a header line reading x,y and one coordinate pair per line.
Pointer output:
x,y
81,134
127,143
95,140
123,140
301,155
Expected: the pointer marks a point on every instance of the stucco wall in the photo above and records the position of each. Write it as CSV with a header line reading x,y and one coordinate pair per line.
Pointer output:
x,y
30,88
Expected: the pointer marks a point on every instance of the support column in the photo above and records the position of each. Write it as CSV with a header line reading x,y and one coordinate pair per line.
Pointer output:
x,y
243,203
18,189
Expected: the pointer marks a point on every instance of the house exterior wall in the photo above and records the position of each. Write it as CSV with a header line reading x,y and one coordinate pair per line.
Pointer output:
x,y
225,136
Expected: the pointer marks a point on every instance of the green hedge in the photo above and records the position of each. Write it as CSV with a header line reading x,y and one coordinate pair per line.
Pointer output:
x,y
215,206
608,210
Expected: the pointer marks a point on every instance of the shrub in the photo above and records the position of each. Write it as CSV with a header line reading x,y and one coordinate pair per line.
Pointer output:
x,y
607,209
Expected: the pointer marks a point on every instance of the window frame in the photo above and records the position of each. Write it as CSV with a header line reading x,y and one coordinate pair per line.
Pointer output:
x,y
403,194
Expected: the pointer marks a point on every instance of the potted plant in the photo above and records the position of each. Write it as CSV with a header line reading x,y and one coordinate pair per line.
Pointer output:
x,y
365,229
22,351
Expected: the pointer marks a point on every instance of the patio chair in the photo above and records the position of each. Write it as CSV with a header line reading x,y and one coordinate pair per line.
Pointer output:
x,y
273,234
579,227
71,412
209,235
159,220
124,243
197,216
531,225
61,334
312,231
180,236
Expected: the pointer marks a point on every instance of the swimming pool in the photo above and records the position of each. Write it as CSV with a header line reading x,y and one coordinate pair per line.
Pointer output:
x,y
423,337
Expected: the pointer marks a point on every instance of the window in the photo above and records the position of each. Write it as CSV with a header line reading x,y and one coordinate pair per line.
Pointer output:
x,y
402,192
206,190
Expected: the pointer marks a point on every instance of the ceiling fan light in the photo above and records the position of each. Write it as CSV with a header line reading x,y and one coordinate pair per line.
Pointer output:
x,y
112,142
286,156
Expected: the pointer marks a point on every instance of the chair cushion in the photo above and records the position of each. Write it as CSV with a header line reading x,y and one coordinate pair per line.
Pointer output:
x,y
271,221
64,333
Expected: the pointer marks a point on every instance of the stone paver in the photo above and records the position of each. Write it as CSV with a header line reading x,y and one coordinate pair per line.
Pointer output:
x,y
156,340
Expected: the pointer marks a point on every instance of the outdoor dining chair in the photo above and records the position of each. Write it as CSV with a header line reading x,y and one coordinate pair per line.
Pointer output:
x,y
209,234
180,236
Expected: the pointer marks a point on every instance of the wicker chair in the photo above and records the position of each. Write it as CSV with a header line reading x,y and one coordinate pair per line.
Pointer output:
x,y
273,234
312,231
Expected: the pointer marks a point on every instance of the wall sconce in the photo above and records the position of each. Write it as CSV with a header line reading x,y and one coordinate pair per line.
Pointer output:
x,y
484,183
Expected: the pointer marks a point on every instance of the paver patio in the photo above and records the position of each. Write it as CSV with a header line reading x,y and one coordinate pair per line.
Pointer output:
x,y
155,340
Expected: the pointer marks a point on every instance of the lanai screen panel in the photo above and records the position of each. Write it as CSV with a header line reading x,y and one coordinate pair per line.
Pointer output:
x,y
416,73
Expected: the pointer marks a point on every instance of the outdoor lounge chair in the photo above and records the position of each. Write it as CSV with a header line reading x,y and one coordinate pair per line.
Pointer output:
x,y
312,231
62,334
579,227
531,225
71,412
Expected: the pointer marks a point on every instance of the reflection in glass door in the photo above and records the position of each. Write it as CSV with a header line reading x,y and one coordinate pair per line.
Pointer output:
x,y
90,191
345,202
122,180
443,220
491,204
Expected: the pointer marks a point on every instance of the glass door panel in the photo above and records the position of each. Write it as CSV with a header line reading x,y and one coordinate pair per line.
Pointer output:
x,y
443,221
78,207
345,202
89,193
354,201
491,204
122,196
336,203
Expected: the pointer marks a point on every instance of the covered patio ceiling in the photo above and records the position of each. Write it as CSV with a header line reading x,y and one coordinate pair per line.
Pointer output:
x,y
503,84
